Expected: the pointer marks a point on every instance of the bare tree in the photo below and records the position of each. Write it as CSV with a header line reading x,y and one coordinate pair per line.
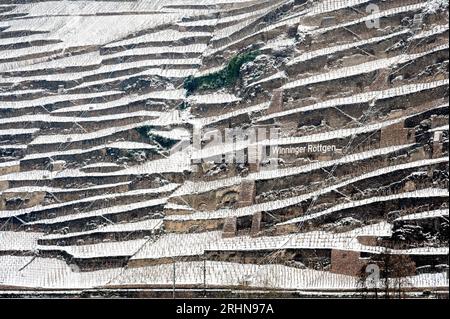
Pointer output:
x,y
387,272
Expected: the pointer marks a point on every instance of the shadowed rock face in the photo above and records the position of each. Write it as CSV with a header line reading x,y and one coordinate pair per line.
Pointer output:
x,y
267,144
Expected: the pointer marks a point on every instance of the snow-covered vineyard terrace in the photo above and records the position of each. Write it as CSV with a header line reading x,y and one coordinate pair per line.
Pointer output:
x,y
116,173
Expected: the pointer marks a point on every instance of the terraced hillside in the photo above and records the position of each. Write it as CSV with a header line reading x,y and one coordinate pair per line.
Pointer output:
x,y
216,145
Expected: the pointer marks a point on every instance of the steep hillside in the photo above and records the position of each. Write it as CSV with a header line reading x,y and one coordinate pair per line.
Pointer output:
x,y
283,145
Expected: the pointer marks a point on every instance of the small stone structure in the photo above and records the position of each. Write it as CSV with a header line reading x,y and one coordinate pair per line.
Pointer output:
x,y
230,228
346,262
276,103
395,134
247,194
256,224
437,145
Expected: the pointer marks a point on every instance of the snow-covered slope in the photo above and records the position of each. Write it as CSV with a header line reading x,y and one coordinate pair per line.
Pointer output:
x,y
108,175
